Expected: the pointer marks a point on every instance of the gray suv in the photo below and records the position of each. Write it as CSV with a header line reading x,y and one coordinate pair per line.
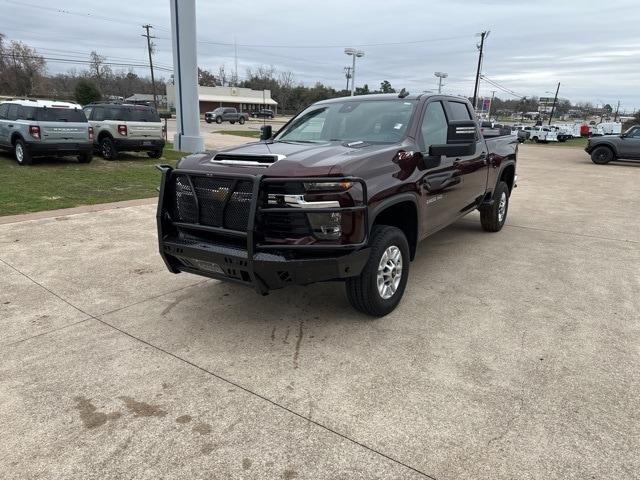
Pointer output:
x,y
607,148
37,128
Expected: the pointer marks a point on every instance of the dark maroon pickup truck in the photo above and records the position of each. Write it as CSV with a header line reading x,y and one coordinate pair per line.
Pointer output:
x,y
345,190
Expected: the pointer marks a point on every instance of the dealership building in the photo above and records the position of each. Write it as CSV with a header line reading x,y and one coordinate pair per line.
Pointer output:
x,y
243,99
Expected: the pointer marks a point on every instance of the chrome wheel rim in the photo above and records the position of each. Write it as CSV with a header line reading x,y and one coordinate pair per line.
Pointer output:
x,y
19,153
389,272
502,207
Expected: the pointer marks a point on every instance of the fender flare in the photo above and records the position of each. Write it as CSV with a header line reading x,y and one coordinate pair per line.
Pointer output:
x,y
14,138
604,144
389,202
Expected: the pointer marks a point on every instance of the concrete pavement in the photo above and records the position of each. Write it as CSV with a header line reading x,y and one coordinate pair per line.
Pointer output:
x,y
512,355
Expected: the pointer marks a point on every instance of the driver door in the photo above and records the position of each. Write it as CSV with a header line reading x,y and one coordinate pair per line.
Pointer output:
x,y
629,145
441,182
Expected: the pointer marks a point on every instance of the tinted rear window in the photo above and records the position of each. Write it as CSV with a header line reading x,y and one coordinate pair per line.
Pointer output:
x,y
141,114
54,114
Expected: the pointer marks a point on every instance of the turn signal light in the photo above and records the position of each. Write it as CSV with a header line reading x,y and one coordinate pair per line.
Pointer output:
x,y
122,130
34,131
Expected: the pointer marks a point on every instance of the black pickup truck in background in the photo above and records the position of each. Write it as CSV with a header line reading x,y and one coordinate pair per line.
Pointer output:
x,y
346,190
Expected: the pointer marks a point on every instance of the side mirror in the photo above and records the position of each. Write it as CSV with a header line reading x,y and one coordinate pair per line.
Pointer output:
x,y
266,132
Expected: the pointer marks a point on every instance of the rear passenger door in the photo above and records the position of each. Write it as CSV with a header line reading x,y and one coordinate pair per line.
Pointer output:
x,y
472,168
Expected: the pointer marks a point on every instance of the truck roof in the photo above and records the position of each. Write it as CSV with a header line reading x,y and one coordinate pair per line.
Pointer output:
x,y
26,102
387,96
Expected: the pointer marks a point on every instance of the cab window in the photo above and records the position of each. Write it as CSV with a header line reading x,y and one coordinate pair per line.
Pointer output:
x,y
459,111
434,126
4,109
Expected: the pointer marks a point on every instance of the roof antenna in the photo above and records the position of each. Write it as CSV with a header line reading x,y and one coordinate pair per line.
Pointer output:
x,y
403,93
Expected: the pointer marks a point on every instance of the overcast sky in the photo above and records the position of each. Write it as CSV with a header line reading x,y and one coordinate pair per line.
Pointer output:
x,y
592,48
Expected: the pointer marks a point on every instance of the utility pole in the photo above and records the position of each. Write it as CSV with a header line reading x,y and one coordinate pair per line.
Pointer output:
x,y
555,100
235,46
347,74
483,36
150,49
493,93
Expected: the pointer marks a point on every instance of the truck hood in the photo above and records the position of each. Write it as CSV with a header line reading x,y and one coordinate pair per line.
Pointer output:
x,y
295,159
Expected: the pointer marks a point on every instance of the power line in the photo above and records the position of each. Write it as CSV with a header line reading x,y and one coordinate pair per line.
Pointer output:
x,y
501,87
83,62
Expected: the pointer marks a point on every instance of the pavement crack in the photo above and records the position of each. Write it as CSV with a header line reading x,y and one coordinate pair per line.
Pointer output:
x,y
296,353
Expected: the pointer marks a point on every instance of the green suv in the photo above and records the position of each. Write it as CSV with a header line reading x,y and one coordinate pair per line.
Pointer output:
x,y
38,128
121,127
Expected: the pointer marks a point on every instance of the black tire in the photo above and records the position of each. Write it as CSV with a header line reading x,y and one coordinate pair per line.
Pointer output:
x,y
602,155
232,122
362,291
241,120
22,154
218,120
534,139
154,153
207,120
494,217
85,158
108,149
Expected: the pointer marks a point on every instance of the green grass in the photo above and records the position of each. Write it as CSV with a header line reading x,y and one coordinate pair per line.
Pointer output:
x,y
240,133
52,183
573,142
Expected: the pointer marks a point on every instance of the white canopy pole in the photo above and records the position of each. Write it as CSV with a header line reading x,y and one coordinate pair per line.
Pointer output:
x,y
185,76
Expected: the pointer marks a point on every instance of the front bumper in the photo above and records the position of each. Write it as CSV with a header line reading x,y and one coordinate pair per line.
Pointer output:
x,y
268,271
59,148
138,145
263,266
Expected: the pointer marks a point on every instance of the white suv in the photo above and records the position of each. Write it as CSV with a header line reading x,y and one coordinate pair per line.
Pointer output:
x,y
121,127
37,128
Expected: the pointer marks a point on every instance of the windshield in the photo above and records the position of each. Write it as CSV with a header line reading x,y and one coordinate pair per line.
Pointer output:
x,y
372,121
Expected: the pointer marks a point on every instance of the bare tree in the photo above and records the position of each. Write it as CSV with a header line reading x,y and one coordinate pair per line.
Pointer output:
x,y
98,69
222,75
22,68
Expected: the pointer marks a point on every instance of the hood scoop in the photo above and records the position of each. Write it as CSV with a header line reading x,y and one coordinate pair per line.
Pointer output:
x,y
246,159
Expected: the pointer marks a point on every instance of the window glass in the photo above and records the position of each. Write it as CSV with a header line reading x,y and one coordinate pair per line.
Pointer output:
x,y
115,113
98,113
60,115
27,113
634,133
4,109
434,125
143,114
13,111
459,111
87,112
371,121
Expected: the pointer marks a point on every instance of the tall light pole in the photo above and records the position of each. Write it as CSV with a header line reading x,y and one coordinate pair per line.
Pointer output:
x,y
185,67
483,36
354,53
440,76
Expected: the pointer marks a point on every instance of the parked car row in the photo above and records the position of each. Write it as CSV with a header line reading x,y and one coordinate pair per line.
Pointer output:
x,y
231,115
39,128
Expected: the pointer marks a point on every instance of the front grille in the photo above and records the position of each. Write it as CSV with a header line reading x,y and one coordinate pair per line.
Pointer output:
x,y
222,202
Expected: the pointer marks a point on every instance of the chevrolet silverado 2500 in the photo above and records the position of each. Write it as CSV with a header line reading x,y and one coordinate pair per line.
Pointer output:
x,y
345,190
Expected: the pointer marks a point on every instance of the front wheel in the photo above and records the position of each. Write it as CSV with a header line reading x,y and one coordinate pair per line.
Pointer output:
x,y
494,216
602,155
218,120
380,286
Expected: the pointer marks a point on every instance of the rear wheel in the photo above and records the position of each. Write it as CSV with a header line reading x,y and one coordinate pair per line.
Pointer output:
x,y
535,139
107,149
232,122
23,157
602,155
493,217
85,158
154,154
380,286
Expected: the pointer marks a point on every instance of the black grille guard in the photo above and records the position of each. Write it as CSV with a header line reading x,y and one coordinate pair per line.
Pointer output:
x,y
163,217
